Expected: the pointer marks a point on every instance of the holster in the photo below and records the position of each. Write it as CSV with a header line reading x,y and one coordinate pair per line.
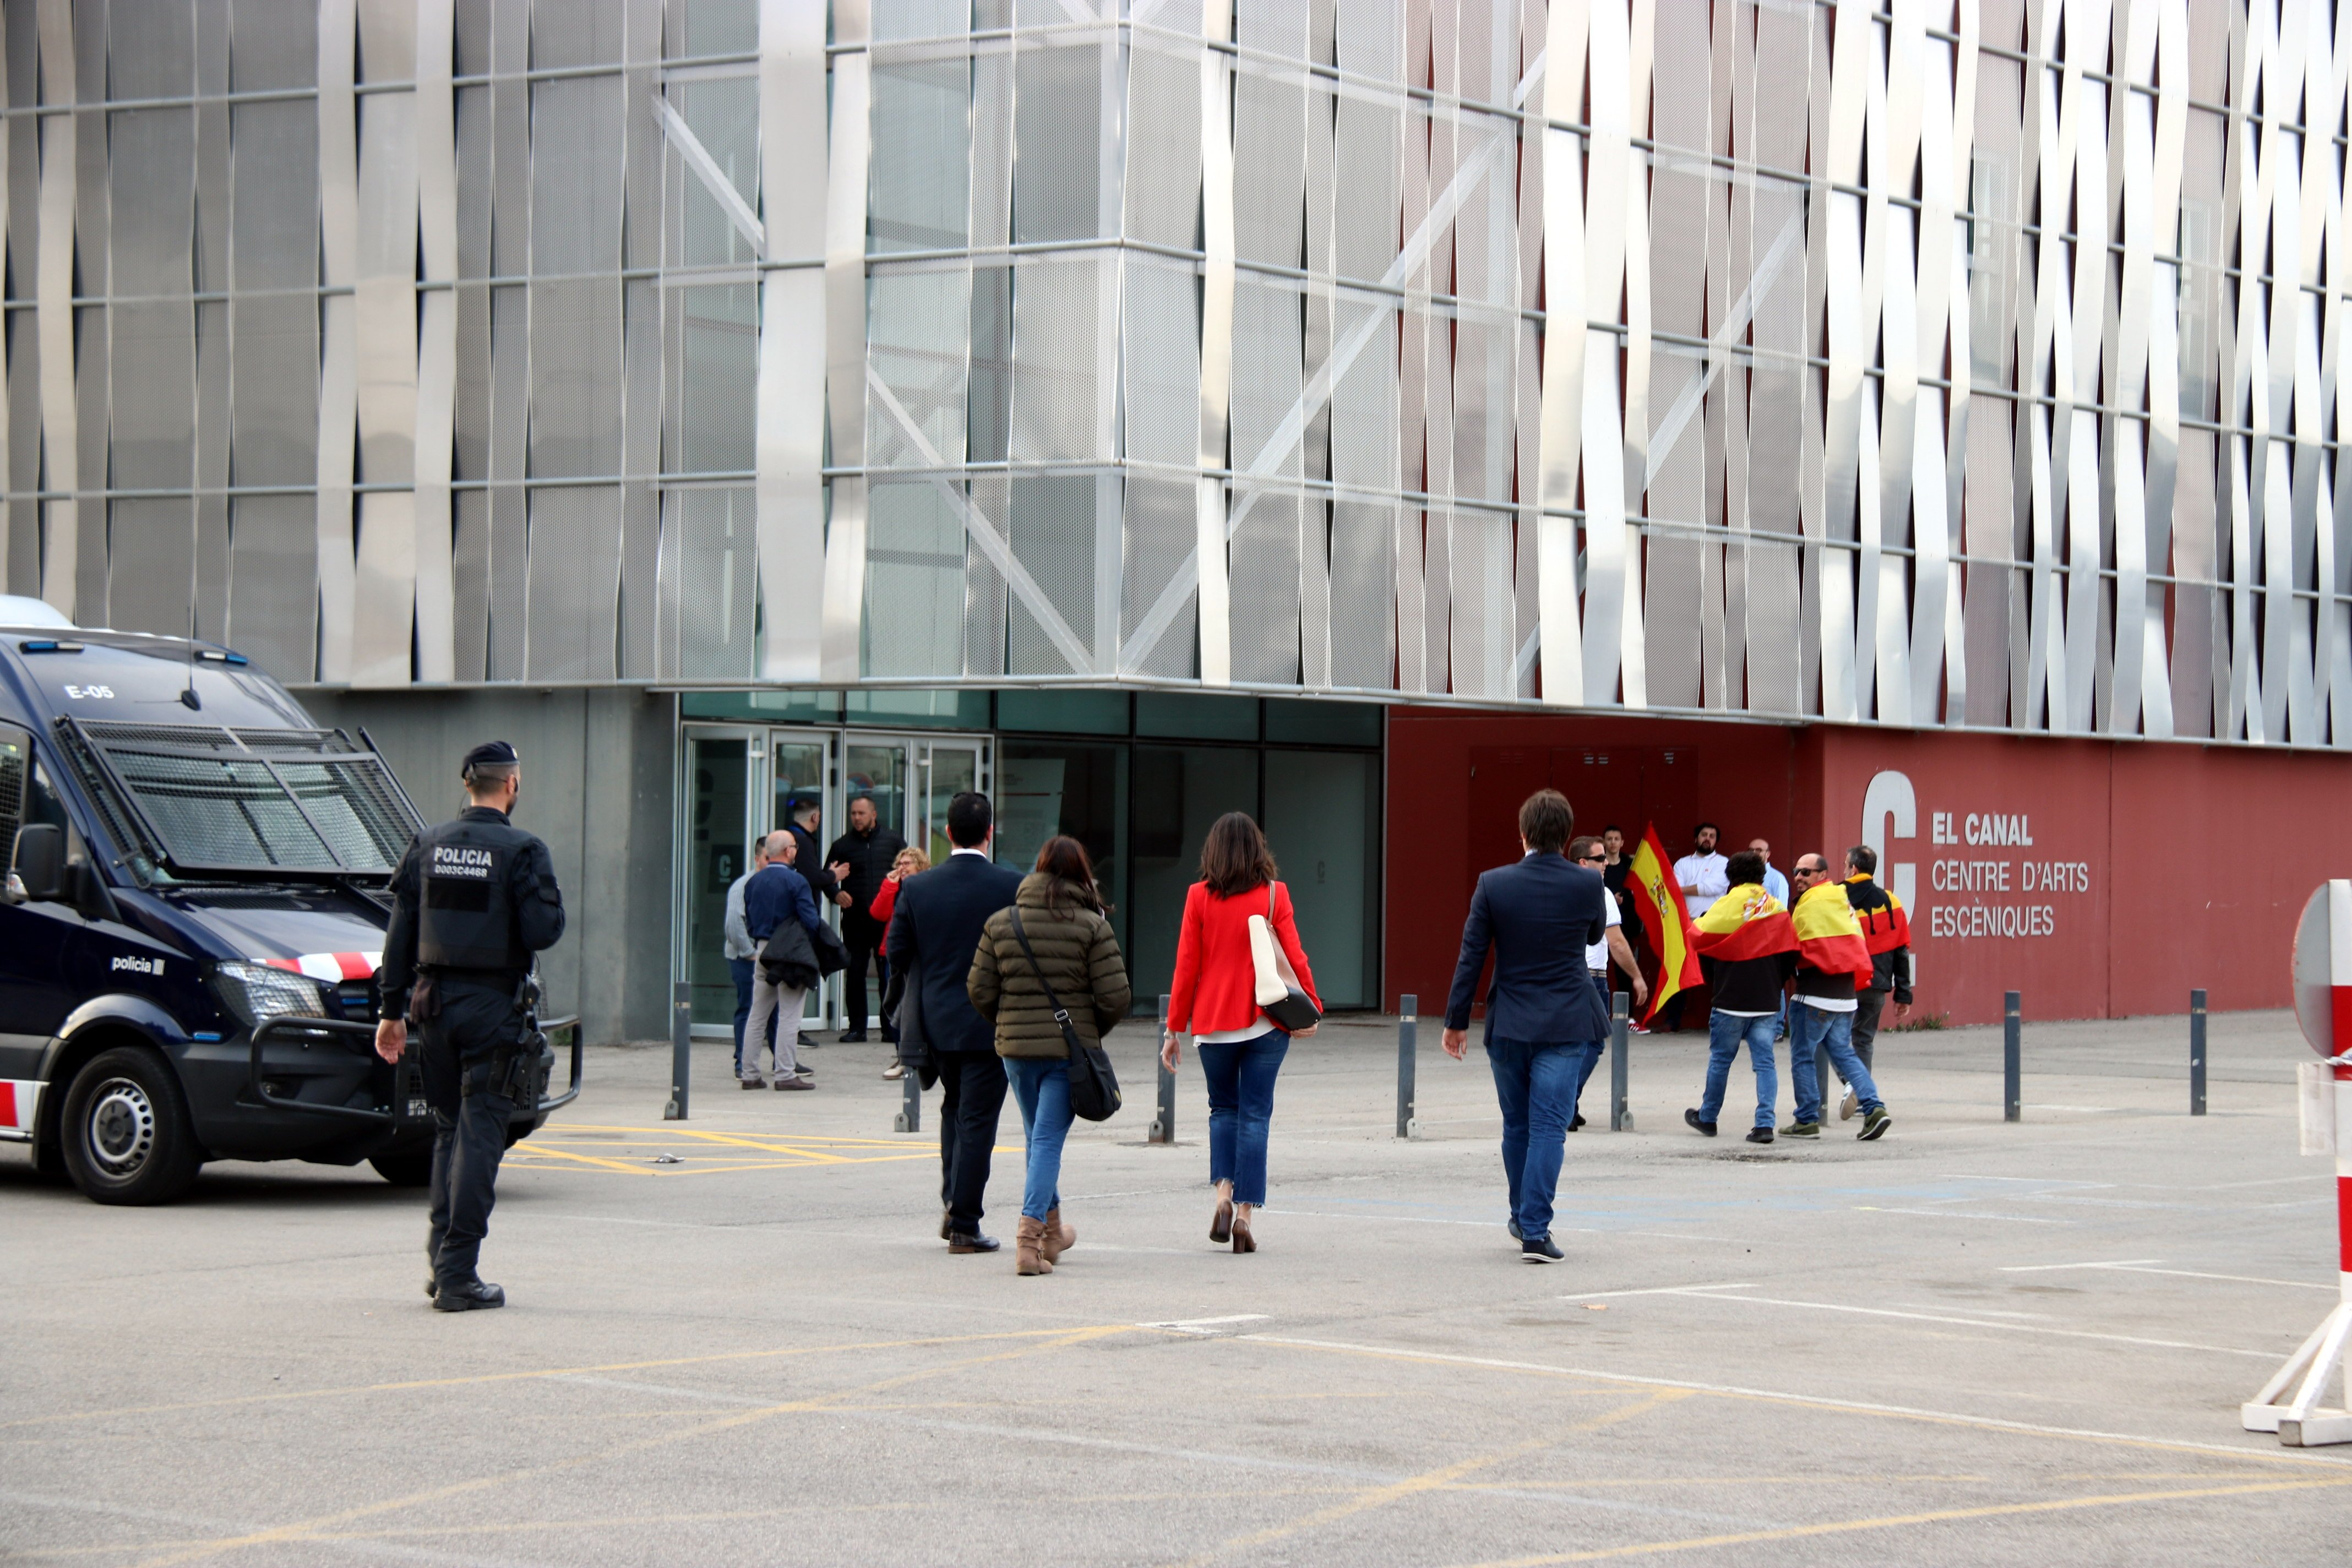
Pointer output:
x,y
424,999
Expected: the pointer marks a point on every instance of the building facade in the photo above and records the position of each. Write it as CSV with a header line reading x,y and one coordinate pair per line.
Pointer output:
x,y
668,383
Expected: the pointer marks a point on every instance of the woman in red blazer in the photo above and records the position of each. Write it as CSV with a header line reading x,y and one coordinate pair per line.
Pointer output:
x,y
1214,999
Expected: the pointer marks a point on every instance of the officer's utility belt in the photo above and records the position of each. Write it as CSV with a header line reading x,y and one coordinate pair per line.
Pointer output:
x,y
424,997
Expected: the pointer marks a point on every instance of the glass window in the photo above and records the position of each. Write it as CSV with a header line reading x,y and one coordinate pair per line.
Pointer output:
x,y
1322,821
1044,788
1069,712
776,707
718,777
1323,723
1178,793
1193,716
919,710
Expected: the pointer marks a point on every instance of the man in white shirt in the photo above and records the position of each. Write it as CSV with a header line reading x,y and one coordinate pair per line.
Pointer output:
x,y
1705,878
1613,947
1774,883
741,949
1702,871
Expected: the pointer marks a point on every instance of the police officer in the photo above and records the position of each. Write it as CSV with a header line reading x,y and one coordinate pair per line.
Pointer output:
x,y
474,898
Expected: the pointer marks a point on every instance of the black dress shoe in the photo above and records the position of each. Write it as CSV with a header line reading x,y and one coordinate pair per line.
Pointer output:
x,y
471,1297
432,1287
852,1037
1578,1123
808,1042
1691,1119
1541,1250
971,1241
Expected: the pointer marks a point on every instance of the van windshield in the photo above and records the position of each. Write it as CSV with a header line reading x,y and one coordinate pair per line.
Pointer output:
x,y
204,798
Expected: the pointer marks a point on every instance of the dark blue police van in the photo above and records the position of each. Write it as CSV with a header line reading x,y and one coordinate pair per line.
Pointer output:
x,y
193,918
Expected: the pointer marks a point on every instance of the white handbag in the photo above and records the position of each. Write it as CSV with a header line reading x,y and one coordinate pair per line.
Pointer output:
x,y
1280,996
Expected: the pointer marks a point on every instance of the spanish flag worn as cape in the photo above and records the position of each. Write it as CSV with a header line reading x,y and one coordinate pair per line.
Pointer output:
x,y
1658,900
1829,937
1885,924
1746,922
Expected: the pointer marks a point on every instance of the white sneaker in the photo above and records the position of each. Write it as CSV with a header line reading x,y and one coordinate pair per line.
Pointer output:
x,y
895,1071
1846,1107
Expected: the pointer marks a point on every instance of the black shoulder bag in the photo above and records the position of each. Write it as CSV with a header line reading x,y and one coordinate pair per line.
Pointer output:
x,y
1094,1087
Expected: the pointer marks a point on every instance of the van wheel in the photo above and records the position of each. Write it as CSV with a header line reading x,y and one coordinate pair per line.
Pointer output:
x,y
125,1129
404,1170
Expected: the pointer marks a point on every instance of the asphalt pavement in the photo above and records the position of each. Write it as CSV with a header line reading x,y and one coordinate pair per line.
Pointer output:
x,y
737,1339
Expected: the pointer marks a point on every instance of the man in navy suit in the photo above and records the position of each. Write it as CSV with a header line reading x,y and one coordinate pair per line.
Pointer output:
x,y
1545,1026
933,931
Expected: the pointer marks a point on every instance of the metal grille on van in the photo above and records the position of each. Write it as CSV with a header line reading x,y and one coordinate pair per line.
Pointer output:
x,y
12,781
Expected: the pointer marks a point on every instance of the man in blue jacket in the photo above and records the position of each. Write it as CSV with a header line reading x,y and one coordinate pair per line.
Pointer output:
x,y
1544,1021
933,930
775,894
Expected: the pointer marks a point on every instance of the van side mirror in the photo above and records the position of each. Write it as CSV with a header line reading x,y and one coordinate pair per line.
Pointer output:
x,y
39,872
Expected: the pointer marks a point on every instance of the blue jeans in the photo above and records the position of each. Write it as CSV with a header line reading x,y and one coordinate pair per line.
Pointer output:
x,y
1041,1085
1725,1034
1811,1028
1536,1087
1240,1107
740,968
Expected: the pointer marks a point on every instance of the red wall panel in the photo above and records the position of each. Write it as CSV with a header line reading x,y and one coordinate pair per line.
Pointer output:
x,y
2153,867
1455,780
2100,878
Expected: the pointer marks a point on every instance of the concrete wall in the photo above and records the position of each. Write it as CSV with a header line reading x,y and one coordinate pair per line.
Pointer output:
x,y
598,785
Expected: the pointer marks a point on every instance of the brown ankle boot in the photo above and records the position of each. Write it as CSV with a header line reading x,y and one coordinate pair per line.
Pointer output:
x,y
1058,1238
1028,1256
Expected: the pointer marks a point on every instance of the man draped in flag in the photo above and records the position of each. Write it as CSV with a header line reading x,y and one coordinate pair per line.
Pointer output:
x,y
1832,962
1658,900
1887,931
1748,948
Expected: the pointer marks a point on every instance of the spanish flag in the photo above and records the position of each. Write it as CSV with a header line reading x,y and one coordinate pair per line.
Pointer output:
x,y
1746,922
1659,898
1829,938
1885,924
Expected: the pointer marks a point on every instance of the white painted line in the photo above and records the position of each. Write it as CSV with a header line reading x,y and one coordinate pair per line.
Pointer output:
x,y
1208,1322
2143,1268
1978,1323
1496,1224
1951,1214
1860,1407
2053,1267
1661,1291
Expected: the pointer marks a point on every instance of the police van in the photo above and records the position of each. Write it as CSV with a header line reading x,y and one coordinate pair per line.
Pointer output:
x,y
193,916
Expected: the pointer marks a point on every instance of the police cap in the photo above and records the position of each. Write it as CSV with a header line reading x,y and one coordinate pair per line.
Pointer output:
x,y
487,753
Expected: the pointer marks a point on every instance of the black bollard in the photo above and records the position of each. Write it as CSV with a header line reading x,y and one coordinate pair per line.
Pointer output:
x,y
681,1049
1407,1036
1163,1125
2197,1053
2012,1057
1621,1119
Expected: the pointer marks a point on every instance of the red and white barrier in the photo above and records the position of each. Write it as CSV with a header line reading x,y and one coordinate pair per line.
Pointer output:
x,y
2323,1005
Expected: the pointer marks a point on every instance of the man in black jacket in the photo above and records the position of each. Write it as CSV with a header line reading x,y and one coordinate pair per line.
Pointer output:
x,y
1886,927
859,859
935,929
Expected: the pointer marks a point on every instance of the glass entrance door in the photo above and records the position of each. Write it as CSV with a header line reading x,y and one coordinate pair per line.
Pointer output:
x,y
948,768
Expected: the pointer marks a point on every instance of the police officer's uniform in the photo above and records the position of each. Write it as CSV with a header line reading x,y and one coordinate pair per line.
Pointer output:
x,y
474,898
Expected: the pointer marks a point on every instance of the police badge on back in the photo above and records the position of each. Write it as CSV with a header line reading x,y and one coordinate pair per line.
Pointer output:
x,y
474,902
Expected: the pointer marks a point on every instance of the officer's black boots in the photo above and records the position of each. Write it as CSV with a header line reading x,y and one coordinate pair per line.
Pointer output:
x,y
472,1296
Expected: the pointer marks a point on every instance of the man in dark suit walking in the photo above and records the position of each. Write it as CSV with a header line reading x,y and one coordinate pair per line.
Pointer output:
x,y
933,931
1544,1020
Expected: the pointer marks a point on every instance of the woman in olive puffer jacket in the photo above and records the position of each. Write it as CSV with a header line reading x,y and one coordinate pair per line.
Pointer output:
x,y
1062,915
